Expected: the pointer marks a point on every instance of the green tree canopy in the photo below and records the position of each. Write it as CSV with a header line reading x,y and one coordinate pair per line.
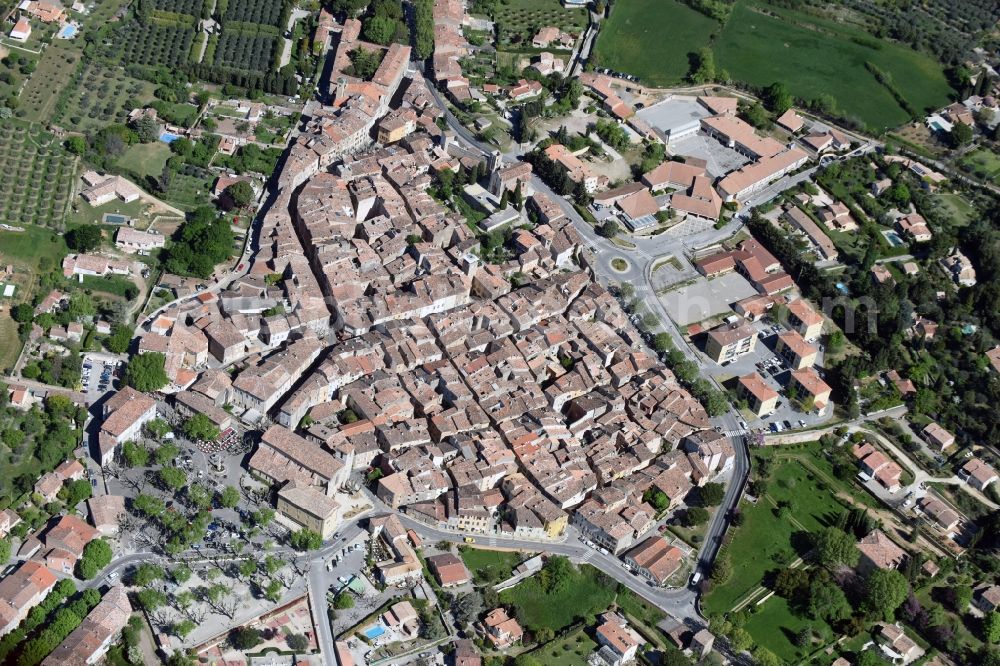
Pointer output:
x,y
145,372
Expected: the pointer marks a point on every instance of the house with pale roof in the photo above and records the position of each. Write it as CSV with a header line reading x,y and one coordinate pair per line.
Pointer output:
x,y
978,474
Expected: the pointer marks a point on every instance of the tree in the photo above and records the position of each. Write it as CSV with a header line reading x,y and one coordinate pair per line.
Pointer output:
x,y
467,607
609,229
119,340
695,516
172,478
147,129
711,494
343,601
703,70
181,574
835,547
885,591
84,238
145,372
146,573
297,642
4,550
961,135
229,497
991,627
166,454
556,573
306,539
777,98
245,638
22,313
722,569
241,194
96,555
76,145
200,427
826,601
135,455
764,657
183,628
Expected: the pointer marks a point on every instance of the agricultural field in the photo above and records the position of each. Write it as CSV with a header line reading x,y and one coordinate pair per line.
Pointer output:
x,y
652,39
15,68
102,96
52,77
982,163
518,20
40,175
243,50
152,45
264,12
815,57
812,55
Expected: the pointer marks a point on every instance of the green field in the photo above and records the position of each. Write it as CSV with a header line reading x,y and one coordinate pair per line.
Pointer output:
x,y
584,595
815,57
983,163
957,208
766,541
145,159
812,55
10,343
774,625
494,564
652,39
570,650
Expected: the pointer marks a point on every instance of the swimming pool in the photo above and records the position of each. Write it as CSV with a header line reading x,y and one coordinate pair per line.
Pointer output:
x,y
169,137
115,218
68,31
842,288
893,238
374,631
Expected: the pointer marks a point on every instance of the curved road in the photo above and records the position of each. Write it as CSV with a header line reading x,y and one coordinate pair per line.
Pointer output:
x,y
681,602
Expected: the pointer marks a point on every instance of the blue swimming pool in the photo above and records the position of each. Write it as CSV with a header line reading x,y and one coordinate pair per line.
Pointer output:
x,y
68,31
115,218
374,631
893,238
842,288
169,137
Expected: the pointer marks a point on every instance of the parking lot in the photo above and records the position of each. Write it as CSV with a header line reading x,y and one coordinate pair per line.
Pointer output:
x,y
776,374
100,374
704,298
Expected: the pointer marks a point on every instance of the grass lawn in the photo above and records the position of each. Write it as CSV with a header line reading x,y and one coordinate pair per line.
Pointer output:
x,y
583,595
10,344
983,163
570,650
652,39
87,214
774,626
502,562
145,159
957,208
112,284
766,542
30,245
188,192
814,56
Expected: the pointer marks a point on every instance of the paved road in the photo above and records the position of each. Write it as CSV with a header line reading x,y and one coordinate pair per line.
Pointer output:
x,y
681,603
